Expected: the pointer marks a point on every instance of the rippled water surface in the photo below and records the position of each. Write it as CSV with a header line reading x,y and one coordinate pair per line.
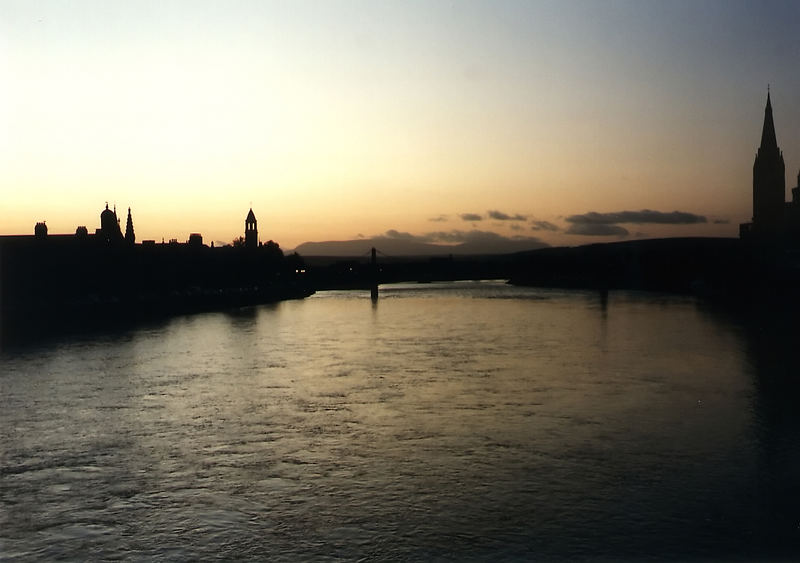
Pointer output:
x,y
466,421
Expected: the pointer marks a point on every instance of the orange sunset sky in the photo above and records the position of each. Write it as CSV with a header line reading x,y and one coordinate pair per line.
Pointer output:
x,y
345,119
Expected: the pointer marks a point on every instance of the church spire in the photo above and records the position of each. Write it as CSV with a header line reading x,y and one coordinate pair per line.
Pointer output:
x,y
768,139
769,180
130,237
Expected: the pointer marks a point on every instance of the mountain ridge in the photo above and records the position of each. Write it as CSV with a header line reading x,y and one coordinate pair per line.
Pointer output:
x,y
400,247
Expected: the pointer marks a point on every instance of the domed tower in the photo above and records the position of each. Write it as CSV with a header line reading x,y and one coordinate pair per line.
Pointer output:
x,y
109,226
251,230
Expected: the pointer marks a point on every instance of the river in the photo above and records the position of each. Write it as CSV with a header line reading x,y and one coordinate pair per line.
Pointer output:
x,y
459,421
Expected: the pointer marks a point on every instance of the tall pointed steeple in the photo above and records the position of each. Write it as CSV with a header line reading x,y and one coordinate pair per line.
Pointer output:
x,y
768,140
130,236
769,181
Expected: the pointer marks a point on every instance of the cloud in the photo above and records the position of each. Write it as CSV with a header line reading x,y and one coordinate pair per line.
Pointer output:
x,y
399,235
543,226
596,230
721,221
500,216
439,219
638,217
515,227
471,217
486,241
455,236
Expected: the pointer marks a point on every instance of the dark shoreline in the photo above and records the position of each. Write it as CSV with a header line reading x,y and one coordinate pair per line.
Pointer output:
x,y
63,284
707,267
39,321
152,284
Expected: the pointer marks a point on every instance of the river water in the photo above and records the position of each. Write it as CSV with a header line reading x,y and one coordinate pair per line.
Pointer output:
x,y
461,421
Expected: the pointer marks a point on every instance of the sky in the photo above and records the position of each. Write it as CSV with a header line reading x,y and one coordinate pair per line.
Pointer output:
x,y
568,122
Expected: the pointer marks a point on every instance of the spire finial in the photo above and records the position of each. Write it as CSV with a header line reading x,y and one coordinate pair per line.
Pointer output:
x,y
768,139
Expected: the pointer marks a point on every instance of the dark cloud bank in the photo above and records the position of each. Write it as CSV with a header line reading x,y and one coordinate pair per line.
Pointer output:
x,y
607,224
500,216
454,237
639,217
493,214
543,226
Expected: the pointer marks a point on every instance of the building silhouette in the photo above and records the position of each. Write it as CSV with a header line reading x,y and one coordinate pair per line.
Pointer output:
x,y
130,236
774,219
77,280
251,230
110,234
40,230
109,226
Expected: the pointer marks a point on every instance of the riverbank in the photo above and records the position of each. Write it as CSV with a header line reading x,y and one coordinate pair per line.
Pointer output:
x,y
96,313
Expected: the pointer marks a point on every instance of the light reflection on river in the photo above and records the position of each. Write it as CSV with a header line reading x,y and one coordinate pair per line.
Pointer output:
x,y
446,421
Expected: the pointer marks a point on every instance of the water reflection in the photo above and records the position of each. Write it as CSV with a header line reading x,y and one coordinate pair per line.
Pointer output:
x,y
457,421
244,316
771,333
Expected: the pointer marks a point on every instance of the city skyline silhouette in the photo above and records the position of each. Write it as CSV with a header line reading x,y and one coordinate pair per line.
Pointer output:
x,y
773,219
393,280
528,121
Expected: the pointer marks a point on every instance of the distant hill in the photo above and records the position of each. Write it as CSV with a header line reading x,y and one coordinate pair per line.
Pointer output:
x,y
683,265
401,247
